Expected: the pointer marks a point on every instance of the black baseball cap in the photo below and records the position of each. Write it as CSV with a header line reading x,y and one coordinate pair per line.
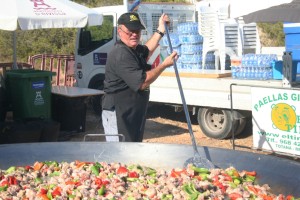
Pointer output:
x,y
131,20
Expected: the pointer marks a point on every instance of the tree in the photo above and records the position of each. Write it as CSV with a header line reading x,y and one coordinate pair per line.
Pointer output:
x,y
272,34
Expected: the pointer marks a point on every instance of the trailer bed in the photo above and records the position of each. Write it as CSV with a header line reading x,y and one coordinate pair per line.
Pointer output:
x,y
209,88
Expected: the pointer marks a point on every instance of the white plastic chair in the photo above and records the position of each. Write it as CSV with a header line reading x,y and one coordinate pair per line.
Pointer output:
x,y
209,29
250,38
220,34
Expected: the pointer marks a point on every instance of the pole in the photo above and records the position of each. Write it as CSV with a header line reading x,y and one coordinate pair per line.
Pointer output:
x,y
14,38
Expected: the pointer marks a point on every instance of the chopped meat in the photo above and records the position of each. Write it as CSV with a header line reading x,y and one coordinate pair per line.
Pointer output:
x,y
93,180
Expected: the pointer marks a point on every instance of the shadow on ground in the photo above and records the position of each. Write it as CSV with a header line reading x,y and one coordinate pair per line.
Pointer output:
x,y
162,121
168,112
156,124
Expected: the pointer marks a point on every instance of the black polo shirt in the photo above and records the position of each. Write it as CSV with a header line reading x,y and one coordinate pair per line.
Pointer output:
x,y
125,68
125,72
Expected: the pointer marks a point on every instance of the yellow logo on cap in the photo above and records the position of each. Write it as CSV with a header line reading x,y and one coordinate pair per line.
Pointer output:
x,y
133,18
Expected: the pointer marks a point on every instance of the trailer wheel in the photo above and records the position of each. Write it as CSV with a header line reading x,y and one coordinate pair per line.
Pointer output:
x,y
241,126
215,123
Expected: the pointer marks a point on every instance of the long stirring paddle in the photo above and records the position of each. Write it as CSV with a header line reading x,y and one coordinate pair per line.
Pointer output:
x,y
197,160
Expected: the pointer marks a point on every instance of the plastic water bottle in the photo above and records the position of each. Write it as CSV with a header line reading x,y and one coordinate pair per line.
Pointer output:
x,y
259,58
251,60
254,62
238,72
244,60
187,27
252,72
174,38
270,73
256,73
266,60
241,74
266,73
246,73
191,48
233,71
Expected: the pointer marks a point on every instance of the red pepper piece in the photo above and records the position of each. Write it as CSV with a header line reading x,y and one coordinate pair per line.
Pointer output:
x,y
290,197
234,196
98,182
3,182
27,168
43,191
122,170
177,173
217,183
79,163
12,180
227,177
43,196
133,174
266,197
250,173
253,189
37,166
105,182
56,192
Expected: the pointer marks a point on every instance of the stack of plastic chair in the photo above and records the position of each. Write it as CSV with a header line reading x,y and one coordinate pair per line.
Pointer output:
x,y
220,34
249,37
230,42
209,29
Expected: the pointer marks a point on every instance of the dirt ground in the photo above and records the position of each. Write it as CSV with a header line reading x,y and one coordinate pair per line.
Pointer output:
x,y
164,125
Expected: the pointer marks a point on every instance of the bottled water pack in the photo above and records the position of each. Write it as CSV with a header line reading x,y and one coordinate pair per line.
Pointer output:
x,y
191,58
255,73
191,66
191,48
190,39
178,49
174,40
255,66
188,44
188,27
258,60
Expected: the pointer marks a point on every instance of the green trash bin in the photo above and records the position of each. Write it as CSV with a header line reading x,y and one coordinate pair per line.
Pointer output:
x,y
29,92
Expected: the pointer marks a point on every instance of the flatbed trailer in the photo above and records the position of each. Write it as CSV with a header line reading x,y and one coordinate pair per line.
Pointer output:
x,y
212,95
207,92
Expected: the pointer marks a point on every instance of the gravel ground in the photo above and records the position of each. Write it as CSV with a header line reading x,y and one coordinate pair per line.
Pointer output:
x,y
164,125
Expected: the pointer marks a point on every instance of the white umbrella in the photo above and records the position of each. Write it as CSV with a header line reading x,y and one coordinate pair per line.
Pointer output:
x,y
266,10
39,14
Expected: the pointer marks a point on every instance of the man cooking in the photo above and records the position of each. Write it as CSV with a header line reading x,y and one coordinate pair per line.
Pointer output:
x,y
128,77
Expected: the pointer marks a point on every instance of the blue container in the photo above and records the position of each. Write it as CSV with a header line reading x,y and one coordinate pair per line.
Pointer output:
x,y
292,41
278,69
292,47
289,28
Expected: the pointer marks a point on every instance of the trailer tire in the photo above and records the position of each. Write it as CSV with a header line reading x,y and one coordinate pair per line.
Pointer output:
x,y
216,123
241,126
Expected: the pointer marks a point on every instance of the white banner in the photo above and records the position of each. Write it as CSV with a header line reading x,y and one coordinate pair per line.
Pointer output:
x,y
276,120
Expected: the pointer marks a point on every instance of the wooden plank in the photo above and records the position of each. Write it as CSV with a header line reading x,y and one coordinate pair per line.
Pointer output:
x,y
201,74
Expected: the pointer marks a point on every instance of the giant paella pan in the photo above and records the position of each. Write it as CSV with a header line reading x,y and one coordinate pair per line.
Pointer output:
x,y
281,174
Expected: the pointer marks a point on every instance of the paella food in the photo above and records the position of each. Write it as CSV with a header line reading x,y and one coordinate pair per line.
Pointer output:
x,y
116,181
